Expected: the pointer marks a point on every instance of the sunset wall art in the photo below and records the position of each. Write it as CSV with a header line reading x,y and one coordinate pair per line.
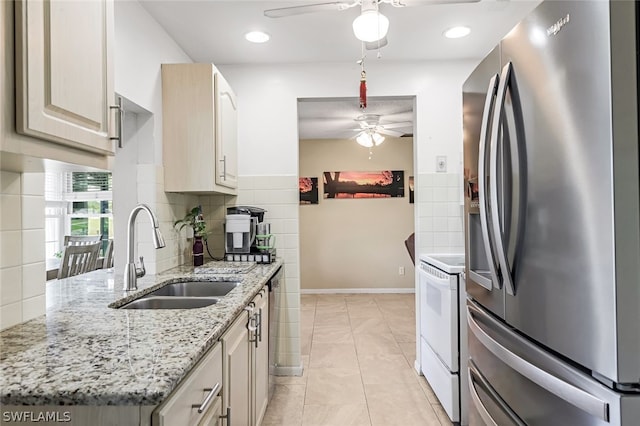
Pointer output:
x,y
308,190
381,184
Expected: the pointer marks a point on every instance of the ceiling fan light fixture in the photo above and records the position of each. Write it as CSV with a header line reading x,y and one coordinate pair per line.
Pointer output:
x,y
457,32
365,140
377,138
257,37
370,26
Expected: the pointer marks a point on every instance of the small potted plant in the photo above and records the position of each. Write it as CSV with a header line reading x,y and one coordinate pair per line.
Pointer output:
x,y
195,220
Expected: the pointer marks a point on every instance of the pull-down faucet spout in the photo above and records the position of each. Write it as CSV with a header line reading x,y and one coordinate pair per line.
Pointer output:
x,y
131,272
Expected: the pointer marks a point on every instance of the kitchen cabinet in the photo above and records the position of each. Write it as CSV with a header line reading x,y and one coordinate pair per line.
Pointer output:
x,y
64,72
260,357
198,398
19,152
199,129
246,363
236,370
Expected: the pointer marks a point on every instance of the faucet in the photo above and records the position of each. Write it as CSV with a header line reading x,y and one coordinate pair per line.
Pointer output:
x,y
131,271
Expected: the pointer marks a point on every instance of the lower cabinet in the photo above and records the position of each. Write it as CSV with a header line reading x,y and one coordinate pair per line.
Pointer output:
x,y
245,364
197,400
260,357
230,385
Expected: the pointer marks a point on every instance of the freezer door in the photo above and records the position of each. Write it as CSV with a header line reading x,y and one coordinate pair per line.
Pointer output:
x,y
479,93
567,274
512,378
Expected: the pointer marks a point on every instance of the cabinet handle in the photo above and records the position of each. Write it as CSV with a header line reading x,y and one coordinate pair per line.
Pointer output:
x,y
207,400
259,326
224,167
119,121
227,416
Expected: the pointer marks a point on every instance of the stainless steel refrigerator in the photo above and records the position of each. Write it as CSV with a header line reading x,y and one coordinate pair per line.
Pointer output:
x,y
553,220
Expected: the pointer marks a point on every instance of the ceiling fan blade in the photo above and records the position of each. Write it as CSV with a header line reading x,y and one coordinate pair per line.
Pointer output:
x,y
395,125
393,133
406,3
308,8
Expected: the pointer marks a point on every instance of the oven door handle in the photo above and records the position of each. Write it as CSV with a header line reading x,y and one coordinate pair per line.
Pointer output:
x,y
437,281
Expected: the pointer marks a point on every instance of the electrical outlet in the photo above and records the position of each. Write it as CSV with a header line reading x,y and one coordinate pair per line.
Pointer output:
x,y
441,164
401,270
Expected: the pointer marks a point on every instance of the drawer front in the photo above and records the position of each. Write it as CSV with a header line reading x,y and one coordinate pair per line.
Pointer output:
x,y
199,390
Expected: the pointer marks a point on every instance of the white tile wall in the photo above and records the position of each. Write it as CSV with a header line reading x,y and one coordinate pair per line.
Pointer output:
x,y
279,196
439,226
22,248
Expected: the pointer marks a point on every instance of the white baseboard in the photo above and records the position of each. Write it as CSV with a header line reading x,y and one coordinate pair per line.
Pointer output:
x,y
288,371
357,290
417,367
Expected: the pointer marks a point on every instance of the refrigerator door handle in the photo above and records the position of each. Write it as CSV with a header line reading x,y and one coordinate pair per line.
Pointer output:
x,y
563,390
489,105
501,252
476,377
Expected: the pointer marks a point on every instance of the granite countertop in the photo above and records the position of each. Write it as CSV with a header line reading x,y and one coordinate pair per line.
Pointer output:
x,y
85,352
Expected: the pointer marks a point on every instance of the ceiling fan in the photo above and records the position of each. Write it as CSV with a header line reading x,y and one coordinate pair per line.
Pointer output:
x,y
370,129
370,26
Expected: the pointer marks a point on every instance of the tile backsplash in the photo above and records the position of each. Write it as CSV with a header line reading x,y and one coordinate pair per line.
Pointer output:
x,y
22,254
439,226
280,197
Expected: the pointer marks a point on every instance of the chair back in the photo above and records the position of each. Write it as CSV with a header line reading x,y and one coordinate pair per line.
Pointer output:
x,y
410,244
78,259
107,262
81,240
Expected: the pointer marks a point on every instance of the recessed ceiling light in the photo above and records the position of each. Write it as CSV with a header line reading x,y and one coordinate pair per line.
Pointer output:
x,y
257,37
457,32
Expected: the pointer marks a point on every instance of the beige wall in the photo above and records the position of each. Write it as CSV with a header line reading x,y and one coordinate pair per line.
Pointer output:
x,y
358,245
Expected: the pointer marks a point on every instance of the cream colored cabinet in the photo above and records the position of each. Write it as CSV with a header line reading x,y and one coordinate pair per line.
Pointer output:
x,y
199,130
260,357
226,134
198,398
236,372
246,364
64,72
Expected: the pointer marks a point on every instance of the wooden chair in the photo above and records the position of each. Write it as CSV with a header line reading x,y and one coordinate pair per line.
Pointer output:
x,y
410,244
78,259
107,262
81,240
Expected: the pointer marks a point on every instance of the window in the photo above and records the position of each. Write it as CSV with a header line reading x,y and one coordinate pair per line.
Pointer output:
x,y
77,203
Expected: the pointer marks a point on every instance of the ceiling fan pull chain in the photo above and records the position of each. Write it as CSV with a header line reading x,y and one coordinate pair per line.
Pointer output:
x,y
363,89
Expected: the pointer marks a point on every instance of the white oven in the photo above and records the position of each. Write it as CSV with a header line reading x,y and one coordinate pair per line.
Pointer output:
x,y
442,347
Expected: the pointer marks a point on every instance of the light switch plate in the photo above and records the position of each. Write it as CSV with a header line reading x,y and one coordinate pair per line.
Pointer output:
x,y
441,164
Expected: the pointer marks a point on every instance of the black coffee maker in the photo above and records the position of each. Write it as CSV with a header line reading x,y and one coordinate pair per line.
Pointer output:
x,y
255,254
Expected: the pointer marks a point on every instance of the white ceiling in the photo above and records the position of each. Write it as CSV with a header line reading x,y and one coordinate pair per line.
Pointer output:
x,y
213,31
335,118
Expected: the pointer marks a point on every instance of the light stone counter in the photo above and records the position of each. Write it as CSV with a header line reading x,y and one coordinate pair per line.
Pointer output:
x,y
85,352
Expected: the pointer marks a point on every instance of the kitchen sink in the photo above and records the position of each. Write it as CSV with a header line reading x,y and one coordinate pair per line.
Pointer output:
x,y
196,289
163,302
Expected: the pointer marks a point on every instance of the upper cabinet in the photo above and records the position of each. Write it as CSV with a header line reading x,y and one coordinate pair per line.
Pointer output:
x,y
200,130
64,73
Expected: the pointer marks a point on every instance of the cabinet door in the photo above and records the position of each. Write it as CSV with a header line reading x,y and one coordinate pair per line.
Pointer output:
x,y
64,72
261,358
236,380
226,134
212,416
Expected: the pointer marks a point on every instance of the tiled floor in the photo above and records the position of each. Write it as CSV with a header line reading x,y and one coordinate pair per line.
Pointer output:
x,y
358,352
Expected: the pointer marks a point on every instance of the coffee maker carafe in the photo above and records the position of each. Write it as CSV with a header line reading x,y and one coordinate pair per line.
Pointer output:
x,y
240,233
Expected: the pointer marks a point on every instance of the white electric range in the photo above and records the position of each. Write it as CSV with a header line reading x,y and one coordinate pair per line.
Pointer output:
x,y
443,338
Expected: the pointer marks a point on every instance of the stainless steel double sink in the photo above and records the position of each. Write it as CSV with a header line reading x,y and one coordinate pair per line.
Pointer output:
x,y
183,295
